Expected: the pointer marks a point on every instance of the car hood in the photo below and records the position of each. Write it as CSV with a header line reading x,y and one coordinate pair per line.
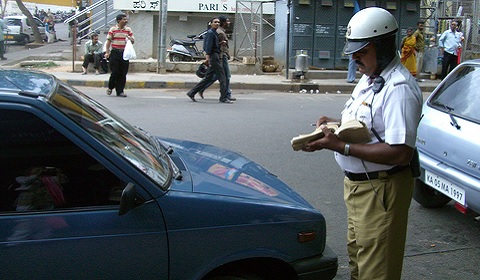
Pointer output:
x,y
218,171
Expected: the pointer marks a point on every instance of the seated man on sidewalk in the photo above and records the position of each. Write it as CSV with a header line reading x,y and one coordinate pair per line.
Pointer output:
x,y
93,53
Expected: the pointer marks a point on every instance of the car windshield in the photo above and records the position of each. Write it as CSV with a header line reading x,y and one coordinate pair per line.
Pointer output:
x,y
138,147
459,94
14,22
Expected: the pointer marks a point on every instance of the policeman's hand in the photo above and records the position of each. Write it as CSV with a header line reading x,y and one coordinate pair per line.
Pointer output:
x,y
325,119
325,142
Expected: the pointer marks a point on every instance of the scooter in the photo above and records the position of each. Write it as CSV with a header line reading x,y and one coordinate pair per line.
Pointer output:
x,y
186,50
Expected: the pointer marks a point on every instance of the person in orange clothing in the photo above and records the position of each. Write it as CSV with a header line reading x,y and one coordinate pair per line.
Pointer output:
x,y
408,57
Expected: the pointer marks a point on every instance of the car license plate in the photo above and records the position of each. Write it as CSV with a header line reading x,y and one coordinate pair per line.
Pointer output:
x,y
7,37
446,187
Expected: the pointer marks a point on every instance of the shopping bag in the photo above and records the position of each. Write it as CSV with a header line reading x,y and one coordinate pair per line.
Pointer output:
x,y
129,52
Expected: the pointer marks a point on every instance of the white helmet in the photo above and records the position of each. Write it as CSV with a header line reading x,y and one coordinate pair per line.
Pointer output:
x,y
368,25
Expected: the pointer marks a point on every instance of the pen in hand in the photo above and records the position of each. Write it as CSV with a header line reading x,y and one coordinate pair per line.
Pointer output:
x,y
326,123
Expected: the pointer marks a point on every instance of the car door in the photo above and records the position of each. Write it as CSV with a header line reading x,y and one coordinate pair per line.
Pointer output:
x,y
41,26
29,30
71,230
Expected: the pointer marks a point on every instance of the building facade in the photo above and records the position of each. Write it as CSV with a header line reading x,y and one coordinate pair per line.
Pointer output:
x,y
288,27
318,27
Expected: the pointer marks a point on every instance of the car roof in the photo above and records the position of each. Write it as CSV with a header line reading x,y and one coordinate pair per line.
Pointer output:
x,y
18,17
27,82
473,61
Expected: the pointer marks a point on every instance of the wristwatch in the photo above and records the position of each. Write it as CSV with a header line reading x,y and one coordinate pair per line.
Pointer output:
x,y
346,150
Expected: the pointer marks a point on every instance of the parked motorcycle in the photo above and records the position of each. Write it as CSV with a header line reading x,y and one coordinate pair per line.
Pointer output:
x,y
182,50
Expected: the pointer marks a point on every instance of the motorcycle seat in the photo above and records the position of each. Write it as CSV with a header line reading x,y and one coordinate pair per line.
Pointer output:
x,y
184,43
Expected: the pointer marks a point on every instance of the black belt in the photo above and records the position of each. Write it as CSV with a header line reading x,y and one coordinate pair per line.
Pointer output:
x,y
117,50
375,174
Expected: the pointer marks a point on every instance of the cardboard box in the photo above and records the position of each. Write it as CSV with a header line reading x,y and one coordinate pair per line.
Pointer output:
x,y
248,60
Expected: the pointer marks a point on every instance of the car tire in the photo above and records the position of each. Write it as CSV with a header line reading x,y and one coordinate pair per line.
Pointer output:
x,y
427,196
25,40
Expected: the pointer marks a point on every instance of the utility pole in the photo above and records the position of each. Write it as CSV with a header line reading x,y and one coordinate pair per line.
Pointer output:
x,y
162,31
287,62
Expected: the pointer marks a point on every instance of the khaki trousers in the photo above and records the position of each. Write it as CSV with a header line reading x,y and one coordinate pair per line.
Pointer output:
x,y
419,57
377,225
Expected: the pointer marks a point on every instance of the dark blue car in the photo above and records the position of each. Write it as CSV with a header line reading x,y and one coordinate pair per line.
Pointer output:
x,y
85,195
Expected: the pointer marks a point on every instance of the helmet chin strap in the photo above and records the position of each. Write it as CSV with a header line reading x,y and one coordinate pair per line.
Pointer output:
x,y
385,51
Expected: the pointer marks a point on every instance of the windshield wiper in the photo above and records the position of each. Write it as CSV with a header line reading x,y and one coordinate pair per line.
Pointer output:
x,y
452,118
177,174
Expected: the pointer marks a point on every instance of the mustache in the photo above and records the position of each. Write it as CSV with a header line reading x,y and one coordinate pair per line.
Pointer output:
x,y
358,62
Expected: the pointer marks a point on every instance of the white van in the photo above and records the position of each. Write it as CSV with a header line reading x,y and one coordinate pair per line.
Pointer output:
x,y
20,29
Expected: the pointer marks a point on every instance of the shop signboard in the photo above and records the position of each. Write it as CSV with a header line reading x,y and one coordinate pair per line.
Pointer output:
x,y
200,6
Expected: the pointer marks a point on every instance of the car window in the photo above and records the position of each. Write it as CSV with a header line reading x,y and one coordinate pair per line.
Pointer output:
x,y
39,23
459,93
14,22
43,170
33,82
135,145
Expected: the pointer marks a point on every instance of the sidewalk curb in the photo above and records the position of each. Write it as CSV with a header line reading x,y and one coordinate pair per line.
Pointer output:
x,y
283,86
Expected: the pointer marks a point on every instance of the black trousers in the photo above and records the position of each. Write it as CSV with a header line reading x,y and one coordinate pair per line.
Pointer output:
x,y
216,68
449,62
95,58
2,48
119,68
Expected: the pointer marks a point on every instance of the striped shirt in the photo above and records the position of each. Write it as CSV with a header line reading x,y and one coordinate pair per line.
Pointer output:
x,y
117,36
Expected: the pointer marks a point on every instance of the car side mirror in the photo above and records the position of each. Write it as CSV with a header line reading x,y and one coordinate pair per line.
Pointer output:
x,y
127,200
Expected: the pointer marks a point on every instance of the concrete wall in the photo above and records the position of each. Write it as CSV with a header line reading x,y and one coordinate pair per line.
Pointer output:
x,y
179,25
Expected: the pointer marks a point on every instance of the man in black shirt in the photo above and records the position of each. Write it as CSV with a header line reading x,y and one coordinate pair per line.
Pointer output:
x,y
211,46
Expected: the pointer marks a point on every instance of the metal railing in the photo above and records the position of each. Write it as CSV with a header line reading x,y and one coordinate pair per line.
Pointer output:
x,y
93,18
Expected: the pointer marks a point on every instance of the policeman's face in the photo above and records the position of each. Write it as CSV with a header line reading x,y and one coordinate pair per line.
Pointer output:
x,y
366,59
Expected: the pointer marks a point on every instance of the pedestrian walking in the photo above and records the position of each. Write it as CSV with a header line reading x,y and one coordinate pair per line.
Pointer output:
x,y
419,46
352,66
211,46
378,183
408,52
114,47
450,43
3,28
224,57
352,70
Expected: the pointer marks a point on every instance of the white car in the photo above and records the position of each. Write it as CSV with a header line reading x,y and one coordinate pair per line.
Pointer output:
x,y
20,29
447,142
